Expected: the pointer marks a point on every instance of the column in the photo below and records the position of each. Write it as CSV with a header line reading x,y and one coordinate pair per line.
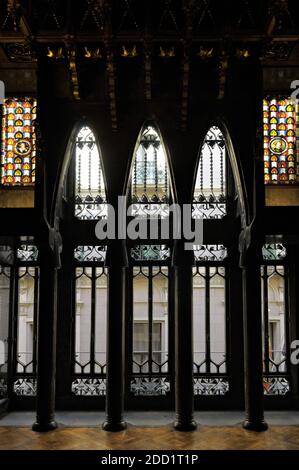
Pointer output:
x,y
184,400
46,342
116,262
253,351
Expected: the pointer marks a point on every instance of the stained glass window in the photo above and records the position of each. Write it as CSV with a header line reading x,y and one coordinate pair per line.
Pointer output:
x,y
281,151
18,157
209,200
90,197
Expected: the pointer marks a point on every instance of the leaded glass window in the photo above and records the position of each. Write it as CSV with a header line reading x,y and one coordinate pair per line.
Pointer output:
x,y
281,151
18,156
209,200
150,179
90,193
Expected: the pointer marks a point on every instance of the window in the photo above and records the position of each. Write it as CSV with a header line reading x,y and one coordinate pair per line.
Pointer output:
x,y
209,200
90,194
18,157
25,327
210,321
275,320
281,155
150,330
5,278
150,180
89,370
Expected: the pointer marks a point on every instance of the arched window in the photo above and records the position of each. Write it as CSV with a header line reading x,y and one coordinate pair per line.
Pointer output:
x,y
90,194
209,200
149,323
210,324
150,179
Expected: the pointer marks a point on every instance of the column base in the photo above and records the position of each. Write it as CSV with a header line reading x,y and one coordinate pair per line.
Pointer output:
x,y
185,426
44,427
252,426
114,427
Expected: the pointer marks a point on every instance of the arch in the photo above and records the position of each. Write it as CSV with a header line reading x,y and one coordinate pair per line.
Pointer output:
x,y
150,178
64,168
220,149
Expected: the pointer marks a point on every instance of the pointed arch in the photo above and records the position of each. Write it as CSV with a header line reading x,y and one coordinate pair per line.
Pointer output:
x,y
150,187
210,184
77,137
90,192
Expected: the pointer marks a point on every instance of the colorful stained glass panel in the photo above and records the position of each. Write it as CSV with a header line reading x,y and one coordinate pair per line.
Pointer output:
x,y
281,136
18,156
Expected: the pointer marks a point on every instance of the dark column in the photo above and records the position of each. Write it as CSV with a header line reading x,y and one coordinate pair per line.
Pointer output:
x,y
116,262
46,342
253,352
184,400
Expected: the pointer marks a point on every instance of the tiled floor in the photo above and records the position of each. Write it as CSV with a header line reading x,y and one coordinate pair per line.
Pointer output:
x,y
150,430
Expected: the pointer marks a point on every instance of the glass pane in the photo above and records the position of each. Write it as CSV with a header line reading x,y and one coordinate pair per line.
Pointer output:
x,y
19,142
150,180
26,328
83,320
140,320
217,320
101,320
209,200
4,322
280,123
160,319
277,319
90,194
199,322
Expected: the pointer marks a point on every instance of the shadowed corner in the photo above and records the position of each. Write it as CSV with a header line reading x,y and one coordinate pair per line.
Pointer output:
x,y
2,92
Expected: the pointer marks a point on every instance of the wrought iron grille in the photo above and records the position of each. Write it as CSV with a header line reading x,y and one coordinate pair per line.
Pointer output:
x,y
276,354
90,194
25,325
150,180
90,316
209,201
150,375
5,282
210,321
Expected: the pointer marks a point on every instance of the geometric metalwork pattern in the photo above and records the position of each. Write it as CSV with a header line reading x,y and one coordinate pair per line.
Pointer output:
x,y
209,199
150,386
25,386
274,251
210,386
88,387
150,186
281,153
210,252
150,252
18,157
87,254
276,386
90,194
209,312
27,253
